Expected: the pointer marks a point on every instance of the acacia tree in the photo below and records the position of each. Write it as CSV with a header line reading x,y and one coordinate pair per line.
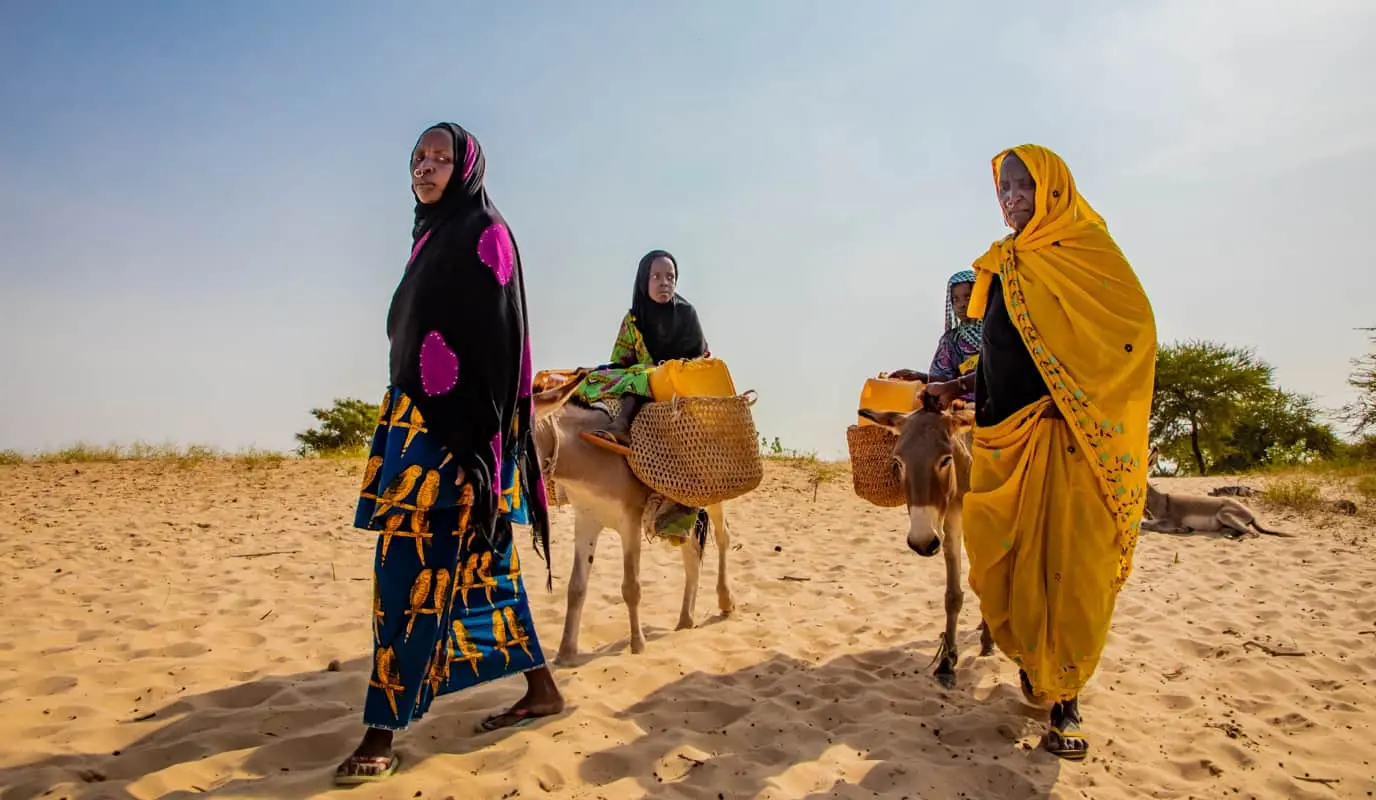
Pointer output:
x,y
1201,390
1275,427
346,425
1361,413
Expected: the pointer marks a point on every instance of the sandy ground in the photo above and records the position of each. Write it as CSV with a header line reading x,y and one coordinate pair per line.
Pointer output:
x,y
149,655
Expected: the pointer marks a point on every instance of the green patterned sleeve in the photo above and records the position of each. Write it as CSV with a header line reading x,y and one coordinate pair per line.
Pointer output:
x,y
629,349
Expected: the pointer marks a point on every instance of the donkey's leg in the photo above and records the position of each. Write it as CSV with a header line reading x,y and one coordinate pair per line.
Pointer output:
x,y
630,577
722,535
692,570
986,636
986,639
586,529
949,654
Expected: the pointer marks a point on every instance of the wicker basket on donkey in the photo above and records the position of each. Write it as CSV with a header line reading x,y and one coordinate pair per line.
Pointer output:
x,y
873,471
698,451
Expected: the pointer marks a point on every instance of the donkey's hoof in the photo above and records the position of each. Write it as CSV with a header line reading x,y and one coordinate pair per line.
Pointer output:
x,y
986,649
566,657
637,646
946,679
685,624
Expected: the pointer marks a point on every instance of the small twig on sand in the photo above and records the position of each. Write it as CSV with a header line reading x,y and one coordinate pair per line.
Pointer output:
x,y
265,616
794,578
695,762
268,553
1366,633
1324,781
1270,651
334,576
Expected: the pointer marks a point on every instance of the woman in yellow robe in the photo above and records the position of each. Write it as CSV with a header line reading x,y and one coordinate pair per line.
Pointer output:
x,y
1063,395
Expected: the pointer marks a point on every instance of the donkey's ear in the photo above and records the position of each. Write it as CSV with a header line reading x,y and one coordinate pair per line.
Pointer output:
x,y
931,403
1152,458
892,420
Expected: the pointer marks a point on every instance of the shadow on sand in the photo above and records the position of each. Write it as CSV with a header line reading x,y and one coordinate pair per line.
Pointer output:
x,y
294,728
879,718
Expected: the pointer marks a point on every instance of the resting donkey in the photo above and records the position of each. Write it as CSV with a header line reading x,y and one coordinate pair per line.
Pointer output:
x,y
932,457
604,493
1182,513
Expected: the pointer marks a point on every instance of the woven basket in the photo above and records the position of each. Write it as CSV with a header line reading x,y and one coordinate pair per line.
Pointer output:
x,y
872,466
697,451
553,498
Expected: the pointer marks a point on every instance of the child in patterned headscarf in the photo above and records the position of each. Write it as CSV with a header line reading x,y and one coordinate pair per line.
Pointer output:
x,y
958,350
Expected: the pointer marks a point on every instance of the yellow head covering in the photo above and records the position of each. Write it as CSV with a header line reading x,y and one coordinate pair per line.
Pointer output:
x,y
1088,324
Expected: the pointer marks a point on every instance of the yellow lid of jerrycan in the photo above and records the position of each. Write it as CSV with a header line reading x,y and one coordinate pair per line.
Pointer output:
x,y
697,377
887,394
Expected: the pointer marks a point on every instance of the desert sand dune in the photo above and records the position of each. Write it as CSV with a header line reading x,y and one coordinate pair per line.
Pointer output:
x,y
161,643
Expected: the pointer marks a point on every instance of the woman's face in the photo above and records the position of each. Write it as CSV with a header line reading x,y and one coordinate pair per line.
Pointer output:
x,y
432,165
663,280
1017,193
960,298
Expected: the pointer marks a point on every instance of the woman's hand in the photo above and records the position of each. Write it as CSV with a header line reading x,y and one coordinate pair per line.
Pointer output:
x,y
945,391
458,480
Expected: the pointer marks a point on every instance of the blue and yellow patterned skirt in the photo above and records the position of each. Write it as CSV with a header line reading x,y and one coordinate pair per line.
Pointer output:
x,y
449,608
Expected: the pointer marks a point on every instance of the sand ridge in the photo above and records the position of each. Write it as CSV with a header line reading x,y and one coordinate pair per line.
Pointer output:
x,y
172,631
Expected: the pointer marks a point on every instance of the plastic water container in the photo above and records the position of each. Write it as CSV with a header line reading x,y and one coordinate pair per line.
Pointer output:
x,y
887,394
698,377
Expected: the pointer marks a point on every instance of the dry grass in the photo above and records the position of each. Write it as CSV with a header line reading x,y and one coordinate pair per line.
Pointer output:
x,y
1299,487
818,471
1295,492
184,456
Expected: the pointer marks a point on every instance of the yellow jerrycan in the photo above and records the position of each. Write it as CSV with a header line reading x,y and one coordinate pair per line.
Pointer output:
x,y
887,394
697,377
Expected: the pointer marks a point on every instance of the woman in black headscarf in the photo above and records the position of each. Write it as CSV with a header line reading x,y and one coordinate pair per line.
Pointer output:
x,y
661,326
452,466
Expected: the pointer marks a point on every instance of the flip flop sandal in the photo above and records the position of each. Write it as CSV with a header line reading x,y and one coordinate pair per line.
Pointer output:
x,y
520,717
605,441
1058,744
354,779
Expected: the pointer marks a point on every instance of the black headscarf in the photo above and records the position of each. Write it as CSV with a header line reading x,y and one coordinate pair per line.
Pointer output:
x,y
462,300
671,330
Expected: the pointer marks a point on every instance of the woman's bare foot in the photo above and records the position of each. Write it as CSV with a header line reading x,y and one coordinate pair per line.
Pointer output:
x,y
372,760
542,699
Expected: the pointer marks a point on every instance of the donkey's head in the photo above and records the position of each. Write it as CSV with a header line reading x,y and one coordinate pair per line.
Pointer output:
x,y
932,457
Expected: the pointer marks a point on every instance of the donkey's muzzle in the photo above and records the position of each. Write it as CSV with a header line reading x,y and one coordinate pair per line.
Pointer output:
x,y
928,548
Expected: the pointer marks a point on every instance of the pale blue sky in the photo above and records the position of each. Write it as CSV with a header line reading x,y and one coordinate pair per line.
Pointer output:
x,y
204,206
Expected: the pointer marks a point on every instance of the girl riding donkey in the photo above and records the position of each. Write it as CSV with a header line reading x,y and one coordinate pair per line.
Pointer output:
x,y
660,326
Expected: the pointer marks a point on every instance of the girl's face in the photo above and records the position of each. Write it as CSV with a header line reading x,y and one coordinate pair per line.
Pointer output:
x,y
663,280
960,298
432,165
